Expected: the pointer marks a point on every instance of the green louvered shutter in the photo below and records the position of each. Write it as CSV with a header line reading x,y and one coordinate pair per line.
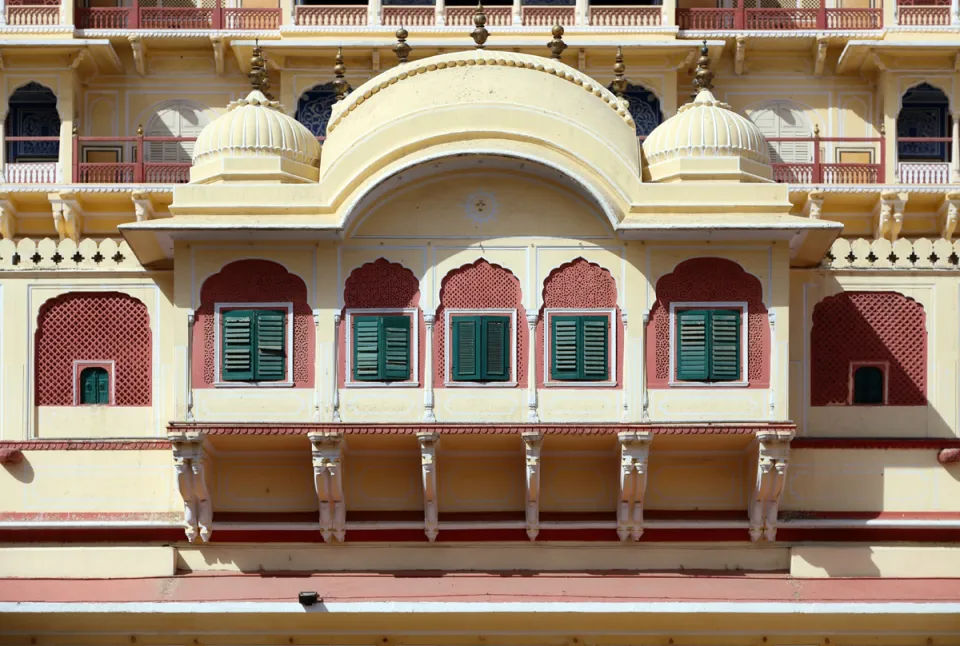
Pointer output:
x,y
103,386
564,347
94,386
466,344
366,348
693,362
495,348
271,337
396,346
724,345
237,346
595,347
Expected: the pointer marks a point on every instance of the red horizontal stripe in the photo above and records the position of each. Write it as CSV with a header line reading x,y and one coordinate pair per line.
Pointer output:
x,y
873,443
86,445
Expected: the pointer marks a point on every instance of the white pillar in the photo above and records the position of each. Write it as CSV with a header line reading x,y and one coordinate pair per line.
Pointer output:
x,y
3,145
955,12
517,15
626,366
428,321
3,13
335,395
441,10
66,13
582,11
955,146
644,397
373,12
532,416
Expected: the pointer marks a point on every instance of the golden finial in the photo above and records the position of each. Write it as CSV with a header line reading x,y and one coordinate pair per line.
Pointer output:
x,y
340,85
76,128
619,84
402,49
479,33
883,129
703,76
816,130
557,45
140,130
258,76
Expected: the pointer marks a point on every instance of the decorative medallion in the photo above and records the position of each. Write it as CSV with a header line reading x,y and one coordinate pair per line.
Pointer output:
x,y
481,206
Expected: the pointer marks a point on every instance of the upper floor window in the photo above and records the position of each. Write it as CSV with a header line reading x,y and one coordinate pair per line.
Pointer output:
x,y
481,348
254,345
780,120
94,386
381,347
580,347
708,345
868,385
180,120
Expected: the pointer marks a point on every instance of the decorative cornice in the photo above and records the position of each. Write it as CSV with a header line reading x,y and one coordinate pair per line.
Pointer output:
x,y
300,30
871,34
469,58
85,445
88,188
894,443
269,34
38,29
485,429
874,188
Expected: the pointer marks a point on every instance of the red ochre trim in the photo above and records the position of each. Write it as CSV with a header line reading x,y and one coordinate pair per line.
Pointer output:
x,y
85,445
906,443
467,429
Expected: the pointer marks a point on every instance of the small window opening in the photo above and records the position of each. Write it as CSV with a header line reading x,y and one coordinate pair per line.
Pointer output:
x,y
868,385
94,386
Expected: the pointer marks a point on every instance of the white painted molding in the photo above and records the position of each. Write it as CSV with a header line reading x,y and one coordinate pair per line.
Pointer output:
x,y
429,318
773,449
428,466
532,442
189,461
634,452
327,451
532,416
335,404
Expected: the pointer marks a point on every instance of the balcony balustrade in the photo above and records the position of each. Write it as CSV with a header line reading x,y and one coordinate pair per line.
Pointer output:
x,y
780,18
923,13
32,170
923,172
626,16
818,172
178,18
132,172
32,13
331,16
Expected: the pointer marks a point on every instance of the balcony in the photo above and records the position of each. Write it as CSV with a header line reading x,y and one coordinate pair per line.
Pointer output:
x,y
934,13
154,160
924,167
31,160
840,172
215,16
818,18
32,13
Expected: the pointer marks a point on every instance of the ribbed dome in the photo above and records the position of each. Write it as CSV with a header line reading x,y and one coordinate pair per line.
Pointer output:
x,y
256,126
706,128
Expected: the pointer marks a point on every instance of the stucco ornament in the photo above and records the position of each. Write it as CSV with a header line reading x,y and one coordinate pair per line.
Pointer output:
x,y
481,206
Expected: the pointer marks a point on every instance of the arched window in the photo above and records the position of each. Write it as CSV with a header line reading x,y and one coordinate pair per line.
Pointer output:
x,y
925,112
178,119
33,113
94,386
644,108
783,119
868,385
314,108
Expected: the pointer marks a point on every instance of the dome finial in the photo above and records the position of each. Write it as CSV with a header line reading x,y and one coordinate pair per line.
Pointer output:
x,y
703,76
340,85
557,45
479,33
402,49
258,76
619,84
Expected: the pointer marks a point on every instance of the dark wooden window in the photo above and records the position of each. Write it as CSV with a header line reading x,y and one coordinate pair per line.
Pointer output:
x,y
381,348
254,345
708,345
481,348
94,386
579,346
868,385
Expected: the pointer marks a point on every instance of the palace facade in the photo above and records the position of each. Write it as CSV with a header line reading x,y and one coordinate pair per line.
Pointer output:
x,y
472,325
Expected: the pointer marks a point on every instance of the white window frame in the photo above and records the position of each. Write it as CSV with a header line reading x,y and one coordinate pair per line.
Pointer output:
x,y
744,380
78,367
883,365
610,312
448,380
414,314
217,326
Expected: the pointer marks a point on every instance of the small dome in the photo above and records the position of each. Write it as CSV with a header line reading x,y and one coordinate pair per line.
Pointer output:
x,y
706,128
256,127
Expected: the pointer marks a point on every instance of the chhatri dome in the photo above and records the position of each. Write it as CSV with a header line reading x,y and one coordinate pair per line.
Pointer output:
x,y
707,141
255,140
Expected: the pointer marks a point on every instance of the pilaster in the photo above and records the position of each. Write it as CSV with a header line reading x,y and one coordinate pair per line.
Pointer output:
x,y
772,451
532,441
428,320
189,461
428,467
634,452
532,415
327,456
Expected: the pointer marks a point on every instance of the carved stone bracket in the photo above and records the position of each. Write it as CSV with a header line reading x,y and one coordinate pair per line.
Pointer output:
x,y
139,49
634,451
949,213
888,216
532,442
740,55
189,460
428,465
8,218
813,207
773,449
218,57
327,476
820,55
142,206
67,216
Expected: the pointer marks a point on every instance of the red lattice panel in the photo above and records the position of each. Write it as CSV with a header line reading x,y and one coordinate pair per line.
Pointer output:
x,y
93,326
868,326
579,284
253,281
380,285
480,286
709,280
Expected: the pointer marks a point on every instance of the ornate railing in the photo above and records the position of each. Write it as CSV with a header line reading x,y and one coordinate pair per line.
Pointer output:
x,y
27,254
332,16
30,173
547,16
32,13
923,172
921,253
408,16
131,172
818,172
626,16
779,19
923,12
463,16
177,18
